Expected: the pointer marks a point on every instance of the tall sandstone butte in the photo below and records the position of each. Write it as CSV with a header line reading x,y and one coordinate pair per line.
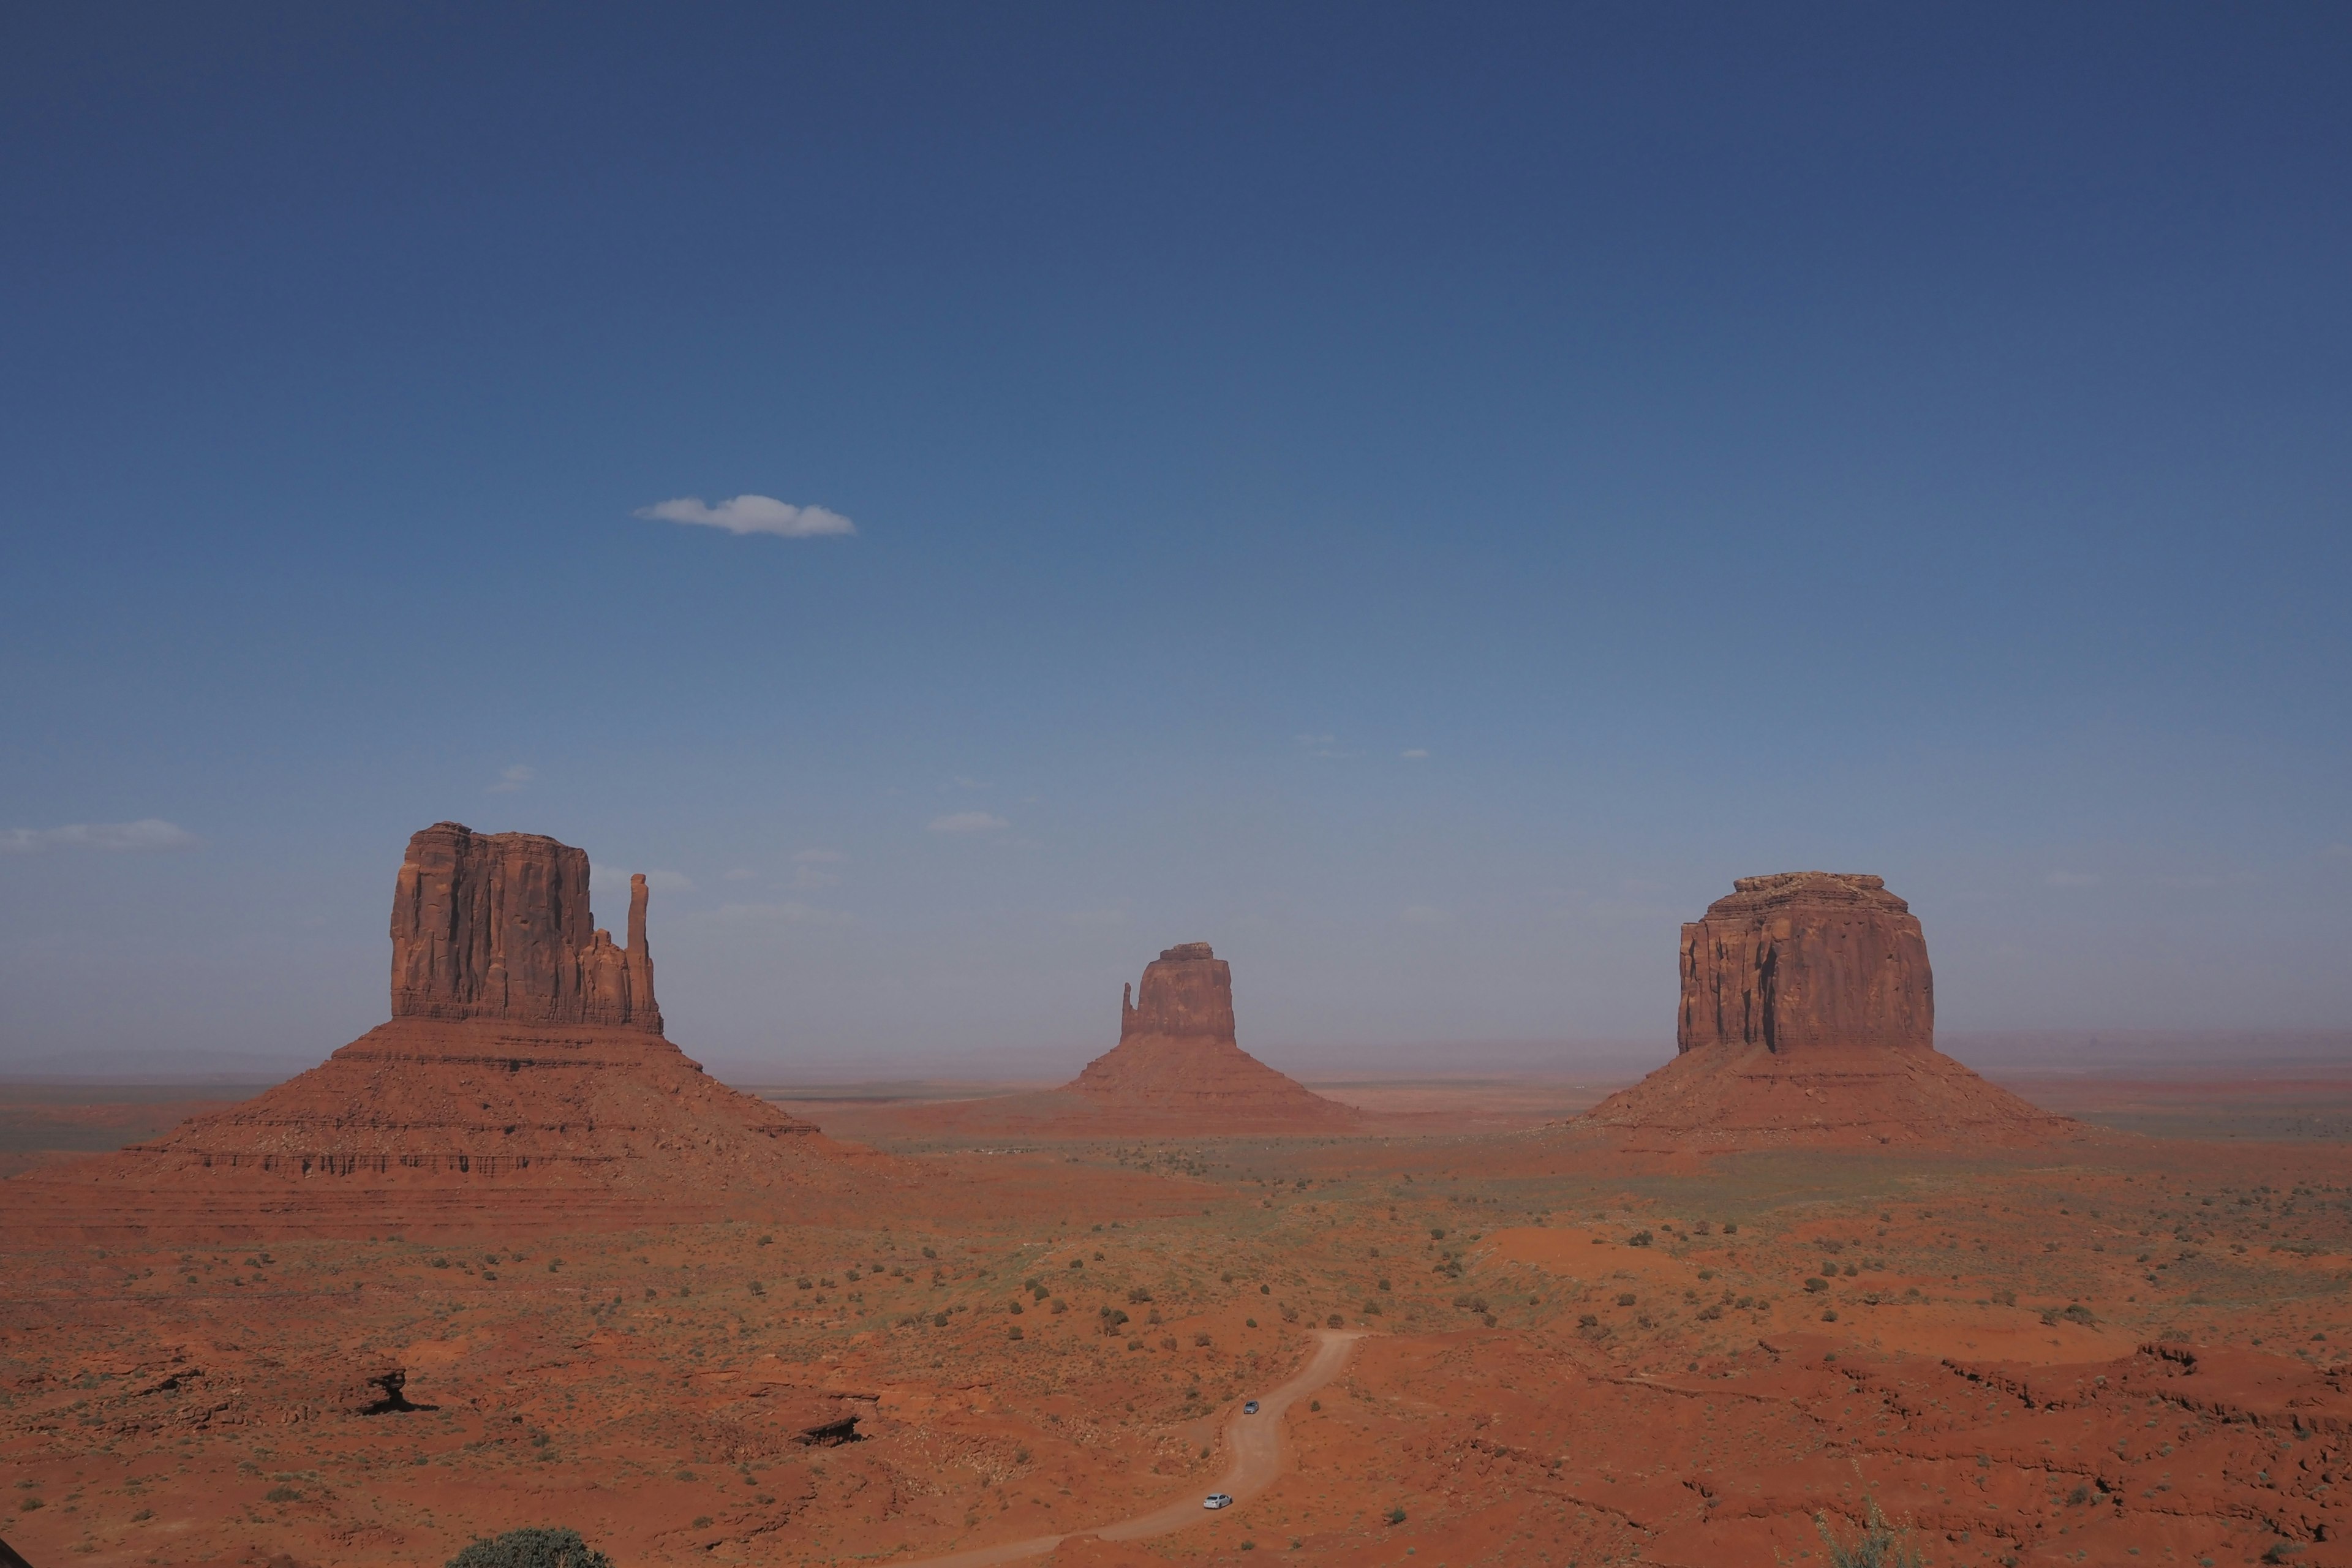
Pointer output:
x,y
1177,1071
1178,1057
1807,1016
524,1075
1807,961
497,925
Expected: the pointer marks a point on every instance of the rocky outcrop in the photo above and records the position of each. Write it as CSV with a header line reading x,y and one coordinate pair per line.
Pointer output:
x,y
1808,1017
497,925
1177,1054
1805,961
376,1390
523,1074
1176,1072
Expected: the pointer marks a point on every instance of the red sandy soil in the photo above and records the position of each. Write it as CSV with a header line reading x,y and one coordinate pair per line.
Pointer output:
x,y
889,1114
2116,1350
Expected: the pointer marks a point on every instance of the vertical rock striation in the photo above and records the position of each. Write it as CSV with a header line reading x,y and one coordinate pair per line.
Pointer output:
x,y
1805,961
1807,1016
497,925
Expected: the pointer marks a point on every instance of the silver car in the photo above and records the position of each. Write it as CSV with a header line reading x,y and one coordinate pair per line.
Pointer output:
x,y
1217,1500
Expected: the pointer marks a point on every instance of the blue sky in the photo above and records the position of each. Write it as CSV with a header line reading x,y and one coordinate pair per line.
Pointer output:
x,y
1419,498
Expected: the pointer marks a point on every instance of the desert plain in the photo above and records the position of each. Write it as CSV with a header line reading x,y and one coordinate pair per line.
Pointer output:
x,y
2093,1319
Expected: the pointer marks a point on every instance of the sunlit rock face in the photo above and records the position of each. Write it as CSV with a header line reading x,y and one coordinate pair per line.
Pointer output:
x,y
1808,1017
1804,961
497,925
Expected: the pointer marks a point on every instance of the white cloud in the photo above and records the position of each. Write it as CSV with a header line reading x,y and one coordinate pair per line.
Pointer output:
x,y
669,881
1318,744
514,778
968,822
809,880
750,515
780,914
1417,753
739,874
2072,879
148,834
1425,915
821,858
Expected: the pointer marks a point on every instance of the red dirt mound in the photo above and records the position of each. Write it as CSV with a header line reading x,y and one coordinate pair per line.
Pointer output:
x,y
1807,1016
524,1068
1177,1071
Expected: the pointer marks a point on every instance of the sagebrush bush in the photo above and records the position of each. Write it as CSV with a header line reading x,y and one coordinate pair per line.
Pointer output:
x,y
535,1547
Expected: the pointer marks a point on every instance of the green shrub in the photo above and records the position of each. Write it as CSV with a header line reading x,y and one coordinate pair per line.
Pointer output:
x,y
1879,1544
536,1547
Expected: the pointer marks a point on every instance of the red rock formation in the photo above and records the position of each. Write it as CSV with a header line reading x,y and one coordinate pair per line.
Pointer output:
x,y
497,926
1803,961
1177,1071
524,1056
1808,1015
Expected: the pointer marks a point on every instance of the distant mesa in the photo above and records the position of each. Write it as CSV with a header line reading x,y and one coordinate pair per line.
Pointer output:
x,y
1807,1016
523,1070
1177,1071
1177,1054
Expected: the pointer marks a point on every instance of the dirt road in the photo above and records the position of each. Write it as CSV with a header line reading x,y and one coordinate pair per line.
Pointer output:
x,y
1253,1441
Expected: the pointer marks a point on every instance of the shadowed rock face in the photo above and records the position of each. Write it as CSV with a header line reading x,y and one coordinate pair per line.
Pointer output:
x,y
1806,959
497,925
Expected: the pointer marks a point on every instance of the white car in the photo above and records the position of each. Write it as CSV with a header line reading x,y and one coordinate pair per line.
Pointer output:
x,y
1251,1409
1217,1500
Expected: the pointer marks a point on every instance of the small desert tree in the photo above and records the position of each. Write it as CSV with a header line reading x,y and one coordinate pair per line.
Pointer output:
x,y
537,1547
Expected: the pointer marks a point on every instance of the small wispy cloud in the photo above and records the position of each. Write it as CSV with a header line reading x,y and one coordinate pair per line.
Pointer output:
x,y
968,822
749,514
148,835
1414,754
512,779
669,881
737,874
796,914
809,880
2072,879
820,858
1316,743
1096,917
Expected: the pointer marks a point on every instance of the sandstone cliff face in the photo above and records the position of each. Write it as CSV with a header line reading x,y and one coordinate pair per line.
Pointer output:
x,y
1808,1017
1804,961
1189,991
497,925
